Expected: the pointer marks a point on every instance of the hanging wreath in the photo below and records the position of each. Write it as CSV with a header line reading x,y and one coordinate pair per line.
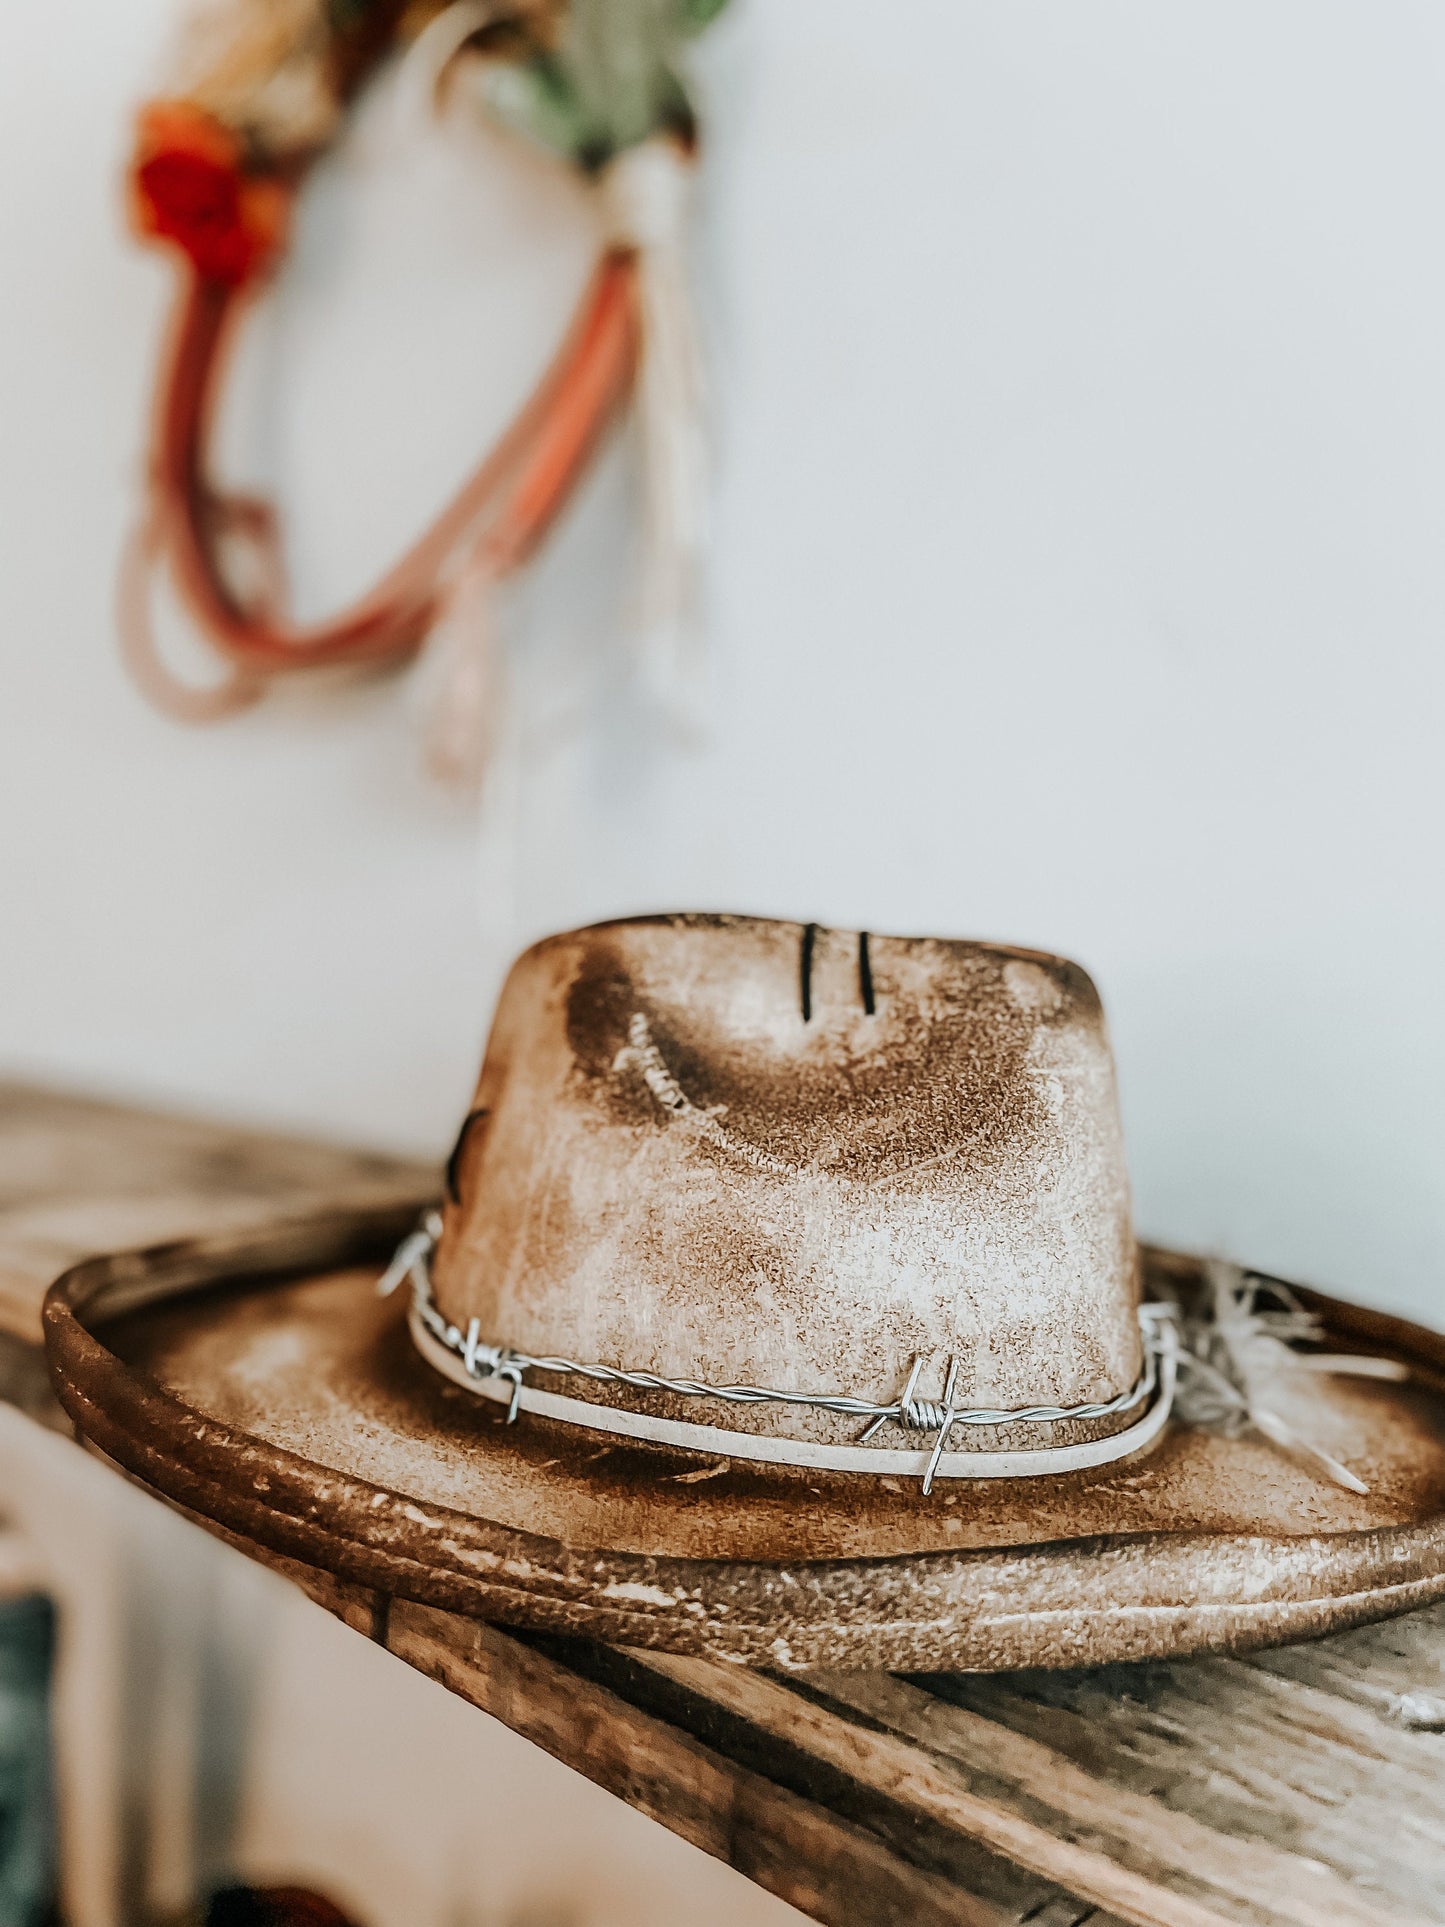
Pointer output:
x,y
260,89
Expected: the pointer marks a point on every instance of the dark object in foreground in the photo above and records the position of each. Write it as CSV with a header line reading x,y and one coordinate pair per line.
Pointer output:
x,y
27,1801
273,1907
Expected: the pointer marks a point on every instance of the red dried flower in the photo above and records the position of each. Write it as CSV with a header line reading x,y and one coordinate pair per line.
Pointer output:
x,y
189,186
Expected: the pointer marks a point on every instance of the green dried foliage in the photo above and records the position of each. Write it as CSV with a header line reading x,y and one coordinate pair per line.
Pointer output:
x,y
611,77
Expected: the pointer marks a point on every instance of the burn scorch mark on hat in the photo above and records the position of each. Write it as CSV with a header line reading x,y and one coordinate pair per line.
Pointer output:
x,y
642,1054
911,1052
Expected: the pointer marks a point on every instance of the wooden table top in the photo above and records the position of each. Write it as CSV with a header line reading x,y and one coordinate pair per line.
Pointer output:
x,y
1302,1786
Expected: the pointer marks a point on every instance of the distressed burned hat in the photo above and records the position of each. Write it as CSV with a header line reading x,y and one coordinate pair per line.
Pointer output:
x,y
800,1196
784,1304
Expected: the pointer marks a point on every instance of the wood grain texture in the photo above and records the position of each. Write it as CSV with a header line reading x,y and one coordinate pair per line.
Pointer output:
x,y
1282,1790
1302,1751
78,1177
842,1870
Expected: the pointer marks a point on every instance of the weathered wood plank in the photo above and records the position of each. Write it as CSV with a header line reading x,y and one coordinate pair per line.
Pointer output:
x,y
839,1871
1249,1878
1374,1666
1297,1752
696,1697
886,1766
79,1177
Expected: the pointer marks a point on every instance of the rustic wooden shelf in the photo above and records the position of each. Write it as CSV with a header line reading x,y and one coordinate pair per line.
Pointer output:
x,y
1299,1788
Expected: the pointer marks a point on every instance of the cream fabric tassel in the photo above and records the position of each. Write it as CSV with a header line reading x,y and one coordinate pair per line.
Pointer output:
x,y
462,681
644,196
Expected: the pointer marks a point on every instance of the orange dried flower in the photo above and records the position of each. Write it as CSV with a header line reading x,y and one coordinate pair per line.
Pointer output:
x,y
190,186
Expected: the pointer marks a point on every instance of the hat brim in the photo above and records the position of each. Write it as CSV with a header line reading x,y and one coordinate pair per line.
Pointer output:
x,y
259,1382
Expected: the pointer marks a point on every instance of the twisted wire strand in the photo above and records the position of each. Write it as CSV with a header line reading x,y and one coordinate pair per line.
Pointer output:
x,y
485,1360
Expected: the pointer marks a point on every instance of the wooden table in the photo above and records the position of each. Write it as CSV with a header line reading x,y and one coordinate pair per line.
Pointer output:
x,y
1303,1786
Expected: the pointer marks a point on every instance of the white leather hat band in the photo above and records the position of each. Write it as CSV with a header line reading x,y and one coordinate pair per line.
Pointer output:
x,y
502,1374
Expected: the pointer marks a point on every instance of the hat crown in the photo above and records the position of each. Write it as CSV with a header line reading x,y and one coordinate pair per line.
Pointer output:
x,y
825,1051
737,1150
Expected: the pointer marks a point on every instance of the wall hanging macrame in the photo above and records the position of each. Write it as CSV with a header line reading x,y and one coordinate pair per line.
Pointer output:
x,y
259,90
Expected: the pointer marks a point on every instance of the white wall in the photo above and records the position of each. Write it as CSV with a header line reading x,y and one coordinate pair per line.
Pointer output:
x,y
1078,581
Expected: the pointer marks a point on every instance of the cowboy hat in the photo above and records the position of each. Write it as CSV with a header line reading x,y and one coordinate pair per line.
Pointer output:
x,y
784,1305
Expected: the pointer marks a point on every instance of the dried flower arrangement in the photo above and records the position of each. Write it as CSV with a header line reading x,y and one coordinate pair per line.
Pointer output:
x,y
260,88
